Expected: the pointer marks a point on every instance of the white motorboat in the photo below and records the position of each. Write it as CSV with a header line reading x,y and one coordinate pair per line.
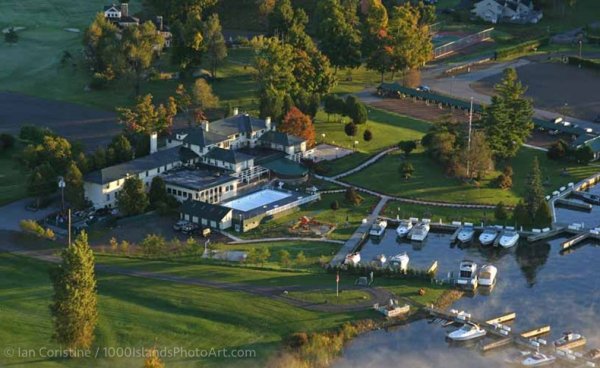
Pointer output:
x,y
468,331
517,358
466,233
419,231
380,258
401,261
352,259
508,238
538,360
488,236
378,228
487,275
467,276
404,228
570,340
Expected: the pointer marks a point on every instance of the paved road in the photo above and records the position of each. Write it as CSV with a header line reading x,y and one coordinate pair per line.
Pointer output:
x,y
13,213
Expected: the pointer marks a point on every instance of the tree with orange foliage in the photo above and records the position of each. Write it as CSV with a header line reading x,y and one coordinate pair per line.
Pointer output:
x,y
297,123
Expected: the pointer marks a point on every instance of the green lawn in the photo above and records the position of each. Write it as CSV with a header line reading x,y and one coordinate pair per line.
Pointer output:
x,y
12,178
435,213
329,296
430,183
313,251
388,129
347,218
136,312
410,288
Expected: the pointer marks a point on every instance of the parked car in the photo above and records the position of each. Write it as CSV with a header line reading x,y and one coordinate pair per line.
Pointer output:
x,y
189,228
179,225
423,88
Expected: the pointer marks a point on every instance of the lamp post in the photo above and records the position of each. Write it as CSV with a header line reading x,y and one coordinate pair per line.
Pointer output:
x,y
62,185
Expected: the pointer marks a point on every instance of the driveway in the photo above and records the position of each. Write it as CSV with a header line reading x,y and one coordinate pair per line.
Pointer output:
x,y
13,213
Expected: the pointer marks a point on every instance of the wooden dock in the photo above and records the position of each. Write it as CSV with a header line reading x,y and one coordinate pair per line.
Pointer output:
x,y
586,197
571,242
574,205
529,334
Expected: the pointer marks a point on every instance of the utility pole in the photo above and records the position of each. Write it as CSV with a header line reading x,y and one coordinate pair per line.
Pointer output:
x,y
69,230
469,141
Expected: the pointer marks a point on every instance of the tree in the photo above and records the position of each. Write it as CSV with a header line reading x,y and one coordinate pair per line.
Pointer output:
x,y
214,42
53,150
407,170
284,258
140,46
300,258
175,10
187,45
147,118
153,359
298,124
339,36
281,18
352,196
203,97
558,150
153,245
584,154
356,110
521,215
478,158
534,195
543,215
380,59
350,129
333,105
74,302
11,36
158,191
410,36
74,192
102,42
407,147
335,205
122,150
41,182
132,198
500,212
507,120
367,135
262,255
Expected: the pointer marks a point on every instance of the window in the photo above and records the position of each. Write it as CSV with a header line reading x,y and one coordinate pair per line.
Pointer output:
x,y
169,190
158,170
146,173
108,197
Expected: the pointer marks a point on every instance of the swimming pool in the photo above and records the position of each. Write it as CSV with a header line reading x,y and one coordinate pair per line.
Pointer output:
x,y
256,200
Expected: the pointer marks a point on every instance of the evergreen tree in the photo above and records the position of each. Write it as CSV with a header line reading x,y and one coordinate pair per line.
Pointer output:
x,y
543,215
74,192
508,119
500,212
74,303
521,215
350,129
158,191
534,195
122,150
132,198
367,135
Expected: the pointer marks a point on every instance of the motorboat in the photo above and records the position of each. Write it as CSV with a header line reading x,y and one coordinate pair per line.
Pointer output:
x,y
352,259
401,261
468,331
378,228
570,340
419,231
508,238
466,233
517,358
538,360
380,258
487,275
404,228
467,276
488,236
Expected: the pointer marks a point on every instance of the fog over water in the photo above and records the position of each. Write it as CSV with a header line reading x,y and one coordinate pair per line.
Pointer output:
x,y
538,282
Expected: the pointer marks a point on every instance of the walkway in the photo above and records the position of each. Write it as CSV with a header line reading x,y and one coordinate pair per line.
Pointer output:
x,y
369,162
359,235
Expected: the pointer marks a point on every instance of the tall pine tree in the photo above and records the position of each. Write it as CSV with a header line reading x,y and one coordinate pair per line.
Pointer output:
x,y
74,303
534,196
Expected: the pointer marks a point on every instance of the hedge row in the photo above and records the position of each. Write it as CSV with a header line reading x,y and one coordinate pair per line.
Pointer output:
x,y
587,63
521,48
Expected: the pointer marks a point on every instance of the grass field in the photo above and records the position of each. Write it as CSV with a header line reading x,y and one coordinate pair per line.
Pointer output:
x,y
430,183
329,296
12,178
139,313
435,213
347,218
388,129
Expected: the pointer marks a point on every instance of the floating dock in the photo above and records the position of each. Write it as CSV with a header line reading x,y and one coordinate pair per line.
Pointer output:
x,y
586,197
581,237
574,205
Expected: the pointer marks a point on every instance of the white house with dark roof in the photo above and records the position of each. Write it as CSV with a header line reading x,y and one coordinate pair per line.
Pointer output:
x,y
200,185
207,214
516,11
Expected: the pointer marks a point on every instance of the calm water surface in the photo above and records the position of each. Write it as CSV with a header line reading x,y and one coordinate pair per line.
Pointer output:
x,y
536,281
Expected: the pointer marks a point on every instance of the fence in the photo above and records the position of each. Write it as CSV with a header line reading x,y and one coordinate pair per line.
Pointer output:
x,y
297,203
462,43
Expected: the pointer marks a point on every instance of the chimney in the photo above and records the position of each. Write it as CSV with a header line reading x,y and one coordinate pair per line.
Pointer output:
x,y
124,10
268,122
159,22
236,111
153,143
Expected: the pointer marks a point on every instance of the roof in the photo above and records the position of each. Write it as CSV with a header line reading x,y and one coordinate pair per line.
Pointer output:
x,y
286,168
196,179
136,166
284,139
212,212
108,7
227,155
200,137
240,123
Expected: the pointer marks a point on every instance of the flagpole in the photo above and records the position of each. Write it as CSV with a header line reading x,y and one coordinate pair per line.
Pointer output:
x,y
469,140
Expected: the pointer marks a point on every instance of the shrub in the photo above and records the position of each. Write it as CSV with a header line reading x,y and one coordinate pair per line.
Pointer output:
x,y
153,245
583,155
521,48
350,129
335,205
352,196
34,134
557,150
367,135
33,228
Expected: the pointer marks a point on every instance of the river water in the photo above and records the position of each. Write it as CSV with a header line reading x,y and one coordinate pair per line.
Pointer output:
x,y
538,282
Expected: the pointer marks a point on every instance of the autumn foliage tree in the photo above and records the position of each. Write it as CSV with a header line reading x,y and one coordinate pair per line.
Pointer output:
x,y
299,124
146,117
